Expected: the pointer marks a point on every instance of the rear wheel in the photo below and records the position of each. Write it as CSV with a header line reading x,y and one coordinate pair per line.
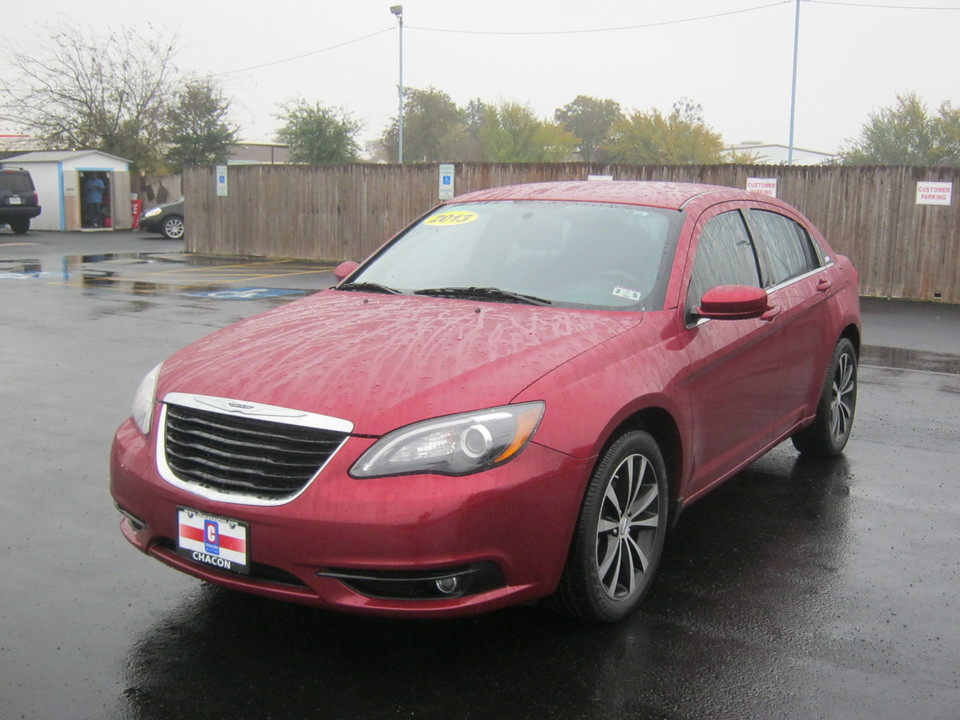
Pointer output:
x,y
20,226
620,532
172,228
828,434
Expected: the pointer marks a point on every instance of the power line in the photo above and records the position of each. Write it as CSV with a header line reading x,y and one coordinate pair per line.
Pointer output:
x,y
307,54
599,30
493,32
577,32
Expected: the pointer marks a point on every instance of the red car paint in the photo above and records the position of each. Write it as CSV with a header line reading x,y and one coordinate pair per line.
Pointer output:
x,y
715,394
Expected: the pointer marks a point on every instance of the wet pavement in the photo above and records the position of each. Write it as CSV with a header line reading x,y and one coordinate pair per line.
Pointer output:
x,y
798,590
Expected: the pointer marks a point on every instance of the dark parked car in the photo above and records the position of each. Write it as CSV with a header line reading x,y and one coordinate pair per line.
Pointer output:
x,y
511,400
166,219
18,199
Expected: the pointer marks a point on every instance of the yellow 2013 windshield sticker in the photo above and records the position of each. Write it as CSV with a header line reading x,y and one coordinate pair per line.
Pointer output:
x,y
451,218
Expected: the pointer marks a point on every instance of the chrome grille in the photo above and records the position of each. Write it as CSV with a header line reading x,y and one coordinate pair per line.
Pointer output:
x,y
241,455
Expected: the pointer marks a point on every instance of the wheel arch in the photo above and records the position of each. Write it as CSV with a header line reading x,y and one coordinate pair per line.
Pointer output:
x,y
660,424
852,333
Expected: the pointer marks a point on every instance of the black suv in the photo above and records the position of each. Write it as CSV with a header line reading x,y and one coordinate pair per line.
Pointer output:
x,y
18,199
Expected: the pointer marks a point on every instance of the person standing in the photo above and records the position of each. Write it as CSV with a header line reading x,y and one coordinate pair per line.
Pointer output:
x,y
93,188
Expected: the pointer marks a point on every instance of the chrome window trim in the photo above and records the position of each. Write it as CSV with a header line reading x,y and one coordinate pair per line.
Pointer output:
x,y
229,406
798,278
698,321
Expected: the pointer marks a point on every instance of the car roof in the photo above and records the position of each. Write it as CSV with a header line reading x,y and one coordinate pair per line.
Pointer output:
x,y
668,195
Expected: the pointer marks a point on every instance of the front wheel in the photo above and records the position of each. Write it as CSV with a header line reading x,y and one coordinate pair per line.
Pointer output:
x,y
828,434
173,227
620,532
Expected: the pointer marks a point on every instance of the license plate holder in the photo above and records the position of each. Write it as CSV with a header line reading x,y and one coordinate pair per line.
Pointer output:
x,y
213,541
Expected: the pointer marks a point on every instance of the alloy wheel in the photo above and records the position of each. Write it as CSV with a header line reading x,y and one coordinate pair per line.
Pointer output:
x,y
627,529
843,396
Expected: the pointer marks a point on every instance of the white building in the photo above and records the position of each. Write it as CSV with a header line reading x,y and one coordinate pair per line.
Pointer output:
x,y
59,177
773,154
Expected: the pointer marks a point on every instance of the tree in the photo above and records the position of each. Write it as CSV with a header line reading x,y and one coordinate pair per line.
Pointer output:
x,y
907,134
512,133
318,135
88,90
682,137
474,118
590,120
743,157
197,127
433,128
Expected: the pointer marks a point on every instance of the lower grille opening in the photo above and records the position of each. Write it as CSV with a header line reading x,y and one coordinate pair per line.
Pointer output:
x,y
439,584
263,573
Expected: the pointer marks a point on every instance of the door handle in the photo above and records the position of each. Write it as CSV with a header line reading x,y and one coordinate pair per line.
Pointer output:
x,y
824,284
771,314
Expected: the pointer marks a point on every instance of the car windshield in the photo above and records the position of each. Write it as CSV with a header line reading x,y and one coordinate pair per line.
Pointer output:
x,y
568,254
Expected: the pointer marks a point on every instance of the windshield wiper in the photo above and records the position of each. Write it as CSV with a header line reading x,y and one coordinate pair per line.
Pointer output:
x,y
368,287
483,293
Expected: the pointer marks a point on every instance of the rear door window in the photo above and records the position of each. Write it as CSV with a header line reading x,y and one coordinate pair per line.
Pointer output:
x,y
786,249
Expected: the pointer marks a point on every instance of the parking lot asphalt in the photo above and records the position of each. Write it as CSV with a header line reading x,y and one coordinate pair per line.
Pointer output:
x,y
797,590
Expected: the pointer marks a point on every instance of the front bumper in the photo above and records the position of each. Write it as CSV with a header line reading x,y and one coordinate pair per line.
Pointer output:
x,y
152,224
384,546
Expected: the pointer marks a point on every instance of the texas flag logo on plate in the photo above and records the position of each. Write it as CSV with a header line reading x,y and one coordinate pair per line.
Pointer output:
x,y
212,540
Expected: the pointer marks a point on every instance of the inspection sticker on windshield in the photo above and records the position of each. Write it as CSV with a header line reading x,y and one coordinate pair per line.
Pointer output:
x,y
212,540
627,294
451,218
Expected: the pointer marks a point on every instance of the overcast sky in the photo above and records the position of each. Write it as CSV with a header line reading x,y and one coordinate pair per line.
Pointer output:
x,y
733,57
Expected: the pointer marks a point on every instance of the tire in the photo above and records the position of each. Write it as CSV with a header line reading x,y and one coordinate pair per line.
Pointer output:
x,y
20,226
828,435
172,228
620,533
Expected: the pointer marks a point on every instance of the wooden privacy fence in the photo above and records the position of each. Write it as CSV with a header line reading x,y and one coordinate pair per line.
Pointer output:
x,y
333,213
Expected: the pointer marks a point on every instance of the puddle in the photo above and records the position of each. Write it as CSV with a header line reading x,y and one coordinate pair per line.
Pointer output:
x,y
187,275
20,269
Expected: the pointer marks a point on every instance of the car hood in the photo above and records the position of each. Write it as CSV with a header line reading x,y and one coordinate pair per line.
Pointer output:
x,y
384,361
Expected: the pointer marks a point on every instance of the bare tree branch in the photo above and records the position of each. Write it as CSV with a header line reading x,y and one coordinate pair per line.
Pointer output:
x,y
84,89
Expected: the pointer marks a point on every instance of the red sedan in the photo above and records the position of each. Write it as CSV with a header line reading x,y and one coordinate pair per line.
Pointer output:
x,y
511,400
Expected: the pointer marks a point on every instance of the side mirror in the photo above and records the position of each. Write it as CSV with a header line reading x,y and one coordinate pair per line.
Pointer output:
x,y
733,302
345,269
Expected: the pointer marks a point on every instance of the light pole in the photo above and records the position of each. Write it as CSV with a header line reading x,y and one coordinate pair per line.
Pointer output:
x,y
398,11
793,92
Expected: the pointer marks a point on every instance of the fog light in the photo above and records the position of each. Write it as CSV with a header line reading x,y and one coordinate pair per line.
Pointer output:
x,y
448,585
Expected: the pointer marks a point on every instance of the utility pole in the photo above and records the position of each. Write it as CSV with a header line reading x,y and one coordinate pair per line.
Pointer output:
x,y
793,92
398,11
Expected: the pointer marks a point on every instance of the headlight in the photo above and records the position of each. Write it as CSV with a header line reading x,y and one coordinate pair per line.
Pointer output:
x,y
152,212
144,400
452,445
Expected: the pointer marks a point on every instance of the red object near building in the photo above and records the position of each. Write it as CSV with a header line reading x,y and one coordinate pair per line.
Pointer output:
x,y
510,400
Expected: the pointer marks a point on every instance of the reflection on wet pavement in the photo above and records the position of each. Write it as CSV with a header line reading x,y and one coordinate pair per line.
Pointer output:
x,y
178,273
19,268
